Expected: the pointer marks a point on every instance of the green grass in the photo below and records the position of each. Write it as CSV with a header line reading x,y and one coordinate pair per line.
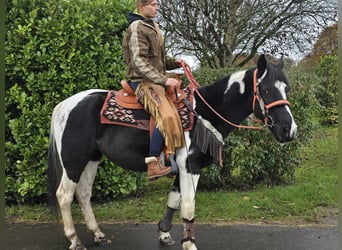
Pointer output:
x,y
309,199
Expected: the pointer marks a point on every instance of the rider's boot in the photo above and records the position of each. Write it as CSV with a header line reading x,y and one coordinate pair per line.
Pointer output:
x,y
155,168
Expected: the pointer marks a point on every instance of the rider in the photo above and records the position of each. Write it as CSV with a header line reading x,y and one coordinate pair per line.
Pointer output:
x,y
144,53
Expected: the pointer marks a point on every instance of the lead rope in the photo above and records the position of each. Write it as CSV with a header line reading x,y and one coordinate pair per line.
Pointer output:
x,y
194,85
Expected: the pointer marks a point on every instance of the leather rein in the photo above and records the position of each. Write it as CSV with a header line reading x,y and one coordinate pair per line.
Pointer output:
x,y
265,107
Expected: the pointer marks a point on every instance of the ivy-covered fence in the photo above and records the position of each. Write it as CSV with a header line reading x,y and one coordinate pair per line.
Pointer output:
x,y
56,48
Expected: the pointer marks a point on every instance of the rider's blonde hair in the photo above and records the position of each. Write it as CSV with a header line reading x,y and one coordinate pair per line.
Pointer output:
x,y
144,2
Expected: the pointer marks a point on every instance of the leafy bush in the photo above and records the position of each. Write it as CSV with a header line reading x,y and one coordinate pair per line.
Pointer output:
x,y
55,49
254,157
327,91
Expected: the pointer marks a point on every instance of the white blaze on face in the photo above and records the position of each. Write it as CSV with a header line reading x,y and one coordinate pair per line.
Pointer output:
x,y
237,78
281,86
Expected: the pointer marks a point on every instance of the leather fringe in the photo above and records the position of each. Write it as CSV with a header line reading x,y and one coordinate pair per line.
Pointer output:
x,y
165,113
208,139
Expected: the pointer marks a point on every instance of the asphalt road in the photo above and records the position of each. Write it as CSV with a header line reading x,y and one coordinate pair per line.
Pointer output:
x,y
145,237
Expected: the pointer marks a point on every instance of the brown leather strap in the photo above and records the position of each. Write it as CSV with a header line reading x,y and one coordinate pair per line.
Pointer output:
x,y
125,85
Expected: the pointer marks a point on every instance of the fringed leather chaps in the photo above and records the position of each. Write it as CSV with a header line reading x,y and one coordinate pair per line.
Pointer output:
x,y
165,113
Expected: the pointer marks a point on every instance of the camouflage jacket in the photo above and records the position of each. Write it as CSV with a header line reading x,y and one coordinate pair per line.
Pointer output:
x,y
144,52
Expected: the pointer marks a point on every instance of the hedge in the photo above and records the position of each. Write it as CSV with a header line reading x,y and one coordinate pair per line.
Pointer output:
x,y
327,92
55,49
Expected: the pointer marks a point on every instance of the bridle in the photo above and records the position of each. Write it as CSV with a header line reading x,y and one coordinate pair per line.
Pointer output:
x,y
257,97
265,107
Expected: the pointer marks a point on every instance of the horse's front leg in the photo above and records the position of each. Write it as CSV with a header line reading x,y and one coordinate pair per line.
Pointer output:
x,y
189,173
165,224
188,185
187,199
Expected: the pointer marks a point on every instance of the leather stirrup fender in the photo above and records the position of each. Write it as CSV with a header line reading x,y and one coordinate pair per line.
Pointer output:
x,y
125,85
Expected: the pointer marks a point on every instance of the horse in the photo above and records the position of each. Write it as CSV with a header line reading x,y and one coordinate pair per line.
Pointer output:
x,y
78,141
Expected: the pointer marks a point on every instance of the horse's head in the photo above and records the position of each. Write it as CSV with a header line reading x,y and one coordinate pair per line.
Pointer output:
x,y
270,102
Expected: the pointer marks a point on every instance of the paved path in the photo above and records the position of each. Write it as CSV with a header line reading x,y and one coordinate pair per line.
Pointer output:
x,y
145,237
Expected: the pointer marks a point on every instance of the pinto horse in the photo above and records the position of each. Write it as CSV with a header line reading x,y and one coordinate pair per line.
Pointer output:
x,y
78,141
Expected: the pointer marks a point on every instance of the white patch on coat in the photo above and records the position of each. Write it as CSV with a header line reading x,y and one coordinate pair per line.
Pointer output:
x,y
83,194
188,186
182,153
237,77
61,113
174,200
65,195
188,181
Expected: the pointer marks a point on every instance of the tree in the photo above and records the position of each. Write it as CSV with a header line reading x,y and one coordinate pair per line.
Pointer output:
x,y
327,90
219,32
326,45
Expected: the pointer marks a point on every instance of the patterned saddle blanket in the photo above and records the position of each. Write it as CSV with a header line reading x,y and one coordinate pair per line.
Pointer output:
x,y
122,108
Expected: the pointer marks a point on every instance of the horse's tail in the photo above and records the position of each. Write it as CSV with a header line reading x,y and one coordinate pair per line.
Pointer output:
x,y
54,171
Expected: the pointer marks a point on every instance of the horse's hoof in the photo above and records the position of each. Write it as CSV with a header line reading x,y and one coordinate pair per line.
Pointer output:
x,y
167,241
80,247
189,244
103,241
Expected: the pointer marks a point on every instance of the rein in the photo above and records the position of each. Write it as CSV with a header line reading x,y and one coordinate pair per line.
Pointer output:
x,y
265,108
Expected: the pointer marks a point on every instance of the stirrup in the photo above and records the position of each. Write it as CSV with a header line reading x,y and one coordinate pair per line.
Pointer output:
x,y
174,167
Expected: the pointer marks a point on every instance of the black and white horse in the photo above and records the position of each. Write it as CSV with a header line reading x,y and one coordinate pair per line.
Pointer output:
x,y
78,140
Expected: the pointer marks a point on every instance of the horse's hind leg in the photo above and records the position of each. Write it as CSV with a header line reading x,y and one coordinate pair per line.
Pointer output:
x,y
65,195
83,194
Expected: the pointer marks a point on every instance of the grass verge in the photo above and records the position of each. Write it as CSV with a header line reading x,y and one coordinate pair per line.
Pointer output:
x,y
312,198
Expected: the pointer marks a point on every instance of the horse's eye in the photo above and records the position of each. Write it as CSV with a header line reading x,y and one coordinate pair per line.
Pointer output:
x,y
263,90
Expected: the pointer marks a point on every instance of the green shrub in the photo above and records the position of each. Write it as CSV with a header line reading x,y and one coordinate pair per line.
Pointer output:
x,y
55,49
254,157
327,91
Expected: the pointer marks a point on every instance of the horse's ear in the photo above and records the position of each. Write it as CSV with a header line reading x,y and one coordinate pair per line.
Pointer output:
x,y
262,65
280,63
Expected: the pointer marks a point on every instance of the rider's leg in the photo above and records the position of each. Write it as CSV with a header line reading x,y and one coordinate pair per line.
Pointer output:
x,y
157,143
154,167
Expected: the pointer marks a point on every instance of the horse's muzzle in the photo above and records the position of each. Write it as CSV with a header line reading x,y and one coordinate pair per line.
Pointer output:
x,y
286,133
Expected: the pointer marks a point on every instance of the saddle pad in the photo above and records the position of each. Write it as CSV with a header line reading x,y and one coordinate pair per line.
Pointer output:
x,y
113,113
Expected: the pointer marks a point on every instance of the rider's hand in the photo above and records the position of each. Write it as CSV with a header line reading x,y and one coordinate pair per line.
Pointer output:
x,y
172,82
